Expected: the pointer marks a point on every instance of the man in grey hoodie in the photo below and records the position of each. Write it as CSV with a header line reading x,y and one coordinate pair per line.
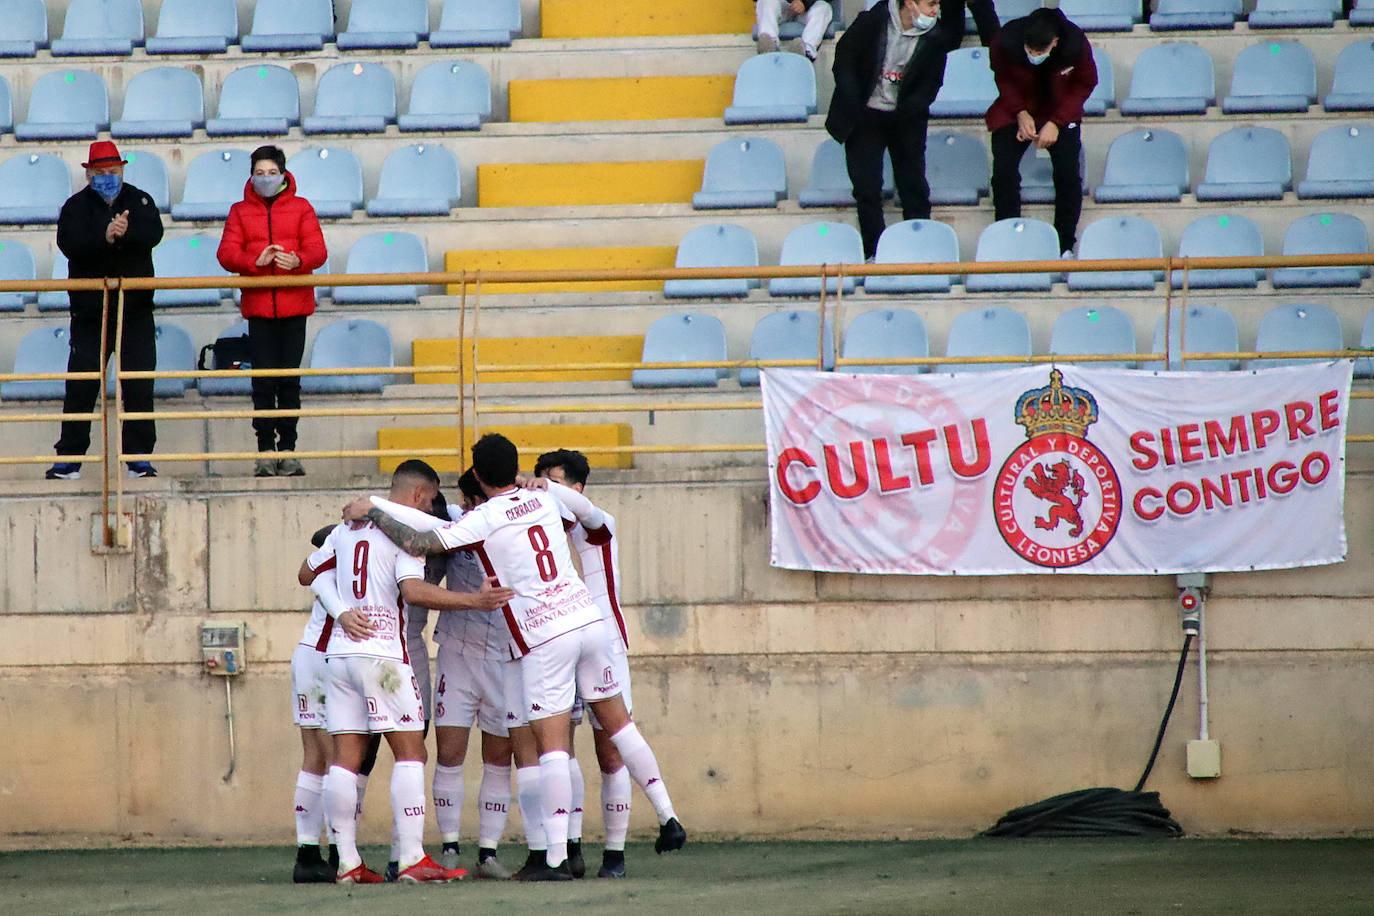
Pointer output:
x,y
889,66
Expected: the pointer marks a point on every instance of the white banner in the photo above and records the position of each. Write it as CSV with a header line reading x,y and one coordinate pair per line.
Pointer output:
x,y
1068,469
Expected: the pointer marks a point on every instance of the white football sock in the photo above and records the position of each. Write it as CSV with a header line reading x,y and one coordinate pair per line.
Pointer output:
x,y
639,760
615,807
579,795
493,805
555,793
361,779
340,803
408,811
309,808
449,794
531,812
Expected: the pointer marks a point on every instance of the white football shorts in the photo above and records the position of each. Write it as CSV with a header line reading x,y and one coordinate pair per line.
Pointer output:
x,y
365,695
308,684
620,662
470,690
557,671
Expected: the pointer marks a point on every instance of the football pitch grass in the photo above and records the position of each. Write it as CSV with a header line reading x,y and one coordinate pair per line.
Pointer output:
x,y
1129,876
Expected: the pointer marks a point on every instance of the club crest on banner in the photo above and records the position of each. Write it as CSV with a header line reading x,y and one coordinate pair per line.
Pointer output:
x,y
1057,498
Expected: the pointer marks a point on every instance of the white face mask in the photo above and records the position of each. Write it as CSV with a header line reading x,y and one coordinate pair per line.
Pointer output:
x,y
1037,59
924,22
268,185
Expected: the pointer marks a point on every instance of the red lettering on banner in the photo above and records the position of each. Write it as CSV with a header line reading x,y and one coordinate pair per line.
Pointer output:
x,y
832,471
1148,515
982,451
807,493
1184,497
886,482
1265,424
1328,405
1236,439
1189,443
1146,457
920,445
1299,416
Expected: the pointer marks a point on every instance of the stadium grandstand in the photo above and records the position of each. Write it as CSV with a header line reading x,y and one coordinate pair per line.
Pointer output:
x,y
486,151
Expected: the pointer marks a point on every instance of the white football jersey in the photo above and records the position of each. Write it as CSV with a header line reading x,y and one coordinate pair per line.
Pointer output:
x,y
519,538
369,570
473,634
599,552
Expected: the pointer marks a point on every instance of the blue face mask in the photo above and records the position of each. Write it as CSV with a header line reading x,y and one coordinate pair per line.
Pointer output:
x,y
107,186
924,22
1038,59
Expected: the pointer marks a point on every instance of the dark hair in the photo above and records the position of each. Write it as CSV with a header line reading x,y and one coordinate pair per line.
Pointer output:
x,y
1042,27
269,152
469,487
573,463
439,507
495,460
318,537
416,469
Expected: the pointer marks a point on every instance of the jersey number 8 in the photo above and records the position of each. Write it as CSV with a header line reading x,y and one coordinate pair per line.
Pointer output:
x,y
543,556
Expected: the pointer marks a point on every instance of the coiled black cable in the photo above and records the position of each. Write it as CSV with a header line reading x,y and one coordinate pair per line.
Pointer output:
x,y
1103,811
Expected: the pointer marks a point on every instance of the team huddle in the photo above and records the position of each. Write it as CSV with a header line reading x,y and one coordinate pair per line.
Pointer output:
x,y
529,635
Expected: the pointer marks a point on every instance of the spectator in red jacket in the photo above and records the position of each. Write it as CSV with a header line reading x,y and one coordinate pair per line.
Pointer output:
x,y
273,231
1045,72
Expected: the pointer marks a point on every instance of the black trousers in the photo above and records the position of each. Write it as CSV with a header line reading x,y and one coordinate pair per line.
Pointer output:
x,y
138,351
276,343
1068,179
904,138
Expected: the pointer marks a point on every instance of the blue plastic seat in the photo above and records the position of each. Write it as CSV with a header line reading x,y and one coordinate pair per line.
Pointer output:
x,y
1294,14
1340,163
968,88
23,28
1362,14
353,343
448,95
384,253
417,180
147,172
1323,233
1007,10
214,183
1103,95
55,300
747,172
914,241
1094,330
788,335
393,24
818,243
1037,174
16,263
1172,15
1272,76
195,27
886,334
1102,15
1226,235
175,353
689,338
6,107
1018,239
330,177
714,246
1112,238
66,105
1247,163
33,188
1352,80
828,184
1206,329
773,88
100,27
1173,78
290,25
957,169
477,24
187,256
1364,366
227,387
260,99
1286,328
990,331
353,98
40,350
1144,166
161,102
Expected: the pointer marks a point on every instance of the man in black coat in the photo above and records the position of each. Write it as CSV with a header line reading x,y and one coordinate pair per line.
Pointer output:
x,y
108,229
889,66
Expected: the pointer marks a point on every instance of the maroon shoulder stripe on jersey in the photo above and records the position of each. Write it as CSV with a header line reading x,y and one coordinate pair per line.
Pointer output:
x,y
610,583
326,565
323,642
505,608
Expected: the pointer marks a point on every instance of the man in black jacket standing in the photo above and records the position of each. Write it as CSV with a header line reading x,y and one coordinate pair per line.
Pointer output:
x,y
889,66
108,229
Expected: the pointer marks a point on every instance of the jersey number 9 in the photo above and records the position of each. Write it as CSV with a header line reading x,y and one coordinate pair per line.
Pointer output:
x,y
360,570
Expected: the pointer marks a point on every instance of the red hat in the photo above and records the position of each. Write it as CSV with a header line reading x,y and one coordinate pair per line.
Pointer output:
x,y
104,152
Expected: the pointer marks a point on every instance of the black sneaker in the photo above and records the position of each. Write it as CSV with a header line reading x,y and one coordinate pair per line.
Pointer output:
x,y
671,836
64,470
543,872
310,868
139,469
612,864
535,859
333,858
576,864
393,871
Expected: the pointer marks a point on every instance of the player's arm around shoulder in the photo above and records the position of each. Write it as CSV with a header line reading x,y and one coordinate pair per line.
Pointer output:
x,y
489,597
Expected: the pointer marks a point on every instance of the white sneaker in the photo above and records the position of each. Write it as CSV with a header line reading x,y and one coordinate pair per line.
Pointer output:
x,y
1066,256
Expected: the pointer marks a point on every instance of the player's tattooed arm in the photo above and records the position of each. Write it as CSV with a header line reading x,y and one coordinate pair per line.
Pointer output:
x,y
416,543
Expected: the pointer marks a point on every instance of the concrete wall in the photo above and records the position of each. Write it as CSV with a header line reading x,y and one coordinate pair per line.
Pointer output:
x,y
779,703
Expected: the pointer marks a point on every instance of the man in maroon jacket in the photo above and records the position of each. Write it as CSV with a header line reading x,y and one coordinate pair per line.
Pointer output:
x,y
1045,72
273,231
